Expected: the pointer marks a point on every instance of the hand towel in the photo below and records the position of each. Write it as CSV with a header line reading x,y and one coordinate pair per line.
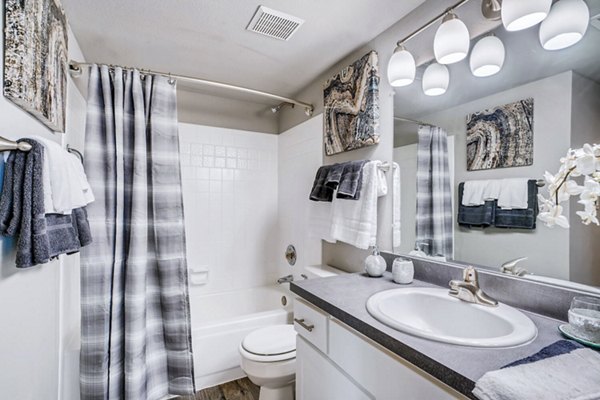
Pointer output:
x,y
355,221
480,216
476,193
351,180
320,191
396,203
65,182
513,194
516,218
564,370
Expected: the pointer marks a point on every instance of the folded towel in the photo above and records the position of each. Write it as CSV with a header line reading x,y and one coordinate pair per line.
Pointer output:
x,y
513,194
476,193
396,203
351,180
334,175
480,216
564,370
520,218
65,183
355,221
320,191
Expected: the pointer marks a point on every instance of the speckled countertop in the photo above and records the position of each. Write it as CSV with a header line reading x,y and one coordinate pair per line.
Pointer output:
x,y
344,297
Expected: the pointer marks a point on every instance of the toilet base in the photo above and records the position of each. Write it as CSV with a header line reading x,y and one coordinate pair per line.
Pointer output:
x,y
281,393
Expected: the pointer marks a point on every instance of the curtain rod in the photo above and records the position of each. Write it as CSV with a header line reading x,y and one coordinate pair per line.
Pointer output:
x,y
431,22
413,121
75,67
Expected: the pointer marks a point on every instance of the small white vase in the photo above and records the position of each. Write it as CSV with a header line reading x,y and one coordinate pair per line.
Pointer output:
x,y
375,264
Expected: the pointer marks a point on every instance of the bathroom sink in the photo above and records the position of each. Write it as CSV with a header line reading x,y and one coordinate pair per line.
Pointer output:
x,y
432,314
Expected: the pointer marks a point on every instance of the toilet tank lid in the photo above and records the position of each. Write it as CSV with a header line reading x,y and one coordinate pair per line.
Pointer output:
x,y
322,271
271,340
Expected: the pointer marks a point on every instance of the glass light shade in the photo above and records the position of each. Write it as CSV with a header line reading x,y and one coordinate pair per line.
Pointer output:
x,y
436,79
487,57
401,68
451,42
566,24
522,14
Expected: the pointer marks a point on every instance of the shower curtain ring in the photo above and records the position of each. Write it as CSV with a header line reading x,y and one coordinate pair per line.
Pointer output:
x,y
171,80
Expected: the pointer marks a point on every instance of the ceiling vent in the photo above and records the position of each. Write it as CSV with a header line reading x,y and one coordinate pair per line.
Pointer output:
x,y
274,23
595,21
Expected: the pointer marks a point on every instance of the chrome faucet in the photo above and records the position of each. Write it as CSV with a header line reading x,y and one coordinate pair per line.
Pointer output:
x,y
285,279
511,268
468,289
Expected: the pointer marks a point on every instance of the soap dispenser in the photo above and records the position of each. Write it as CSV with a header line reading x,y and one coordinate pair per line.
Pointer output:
x,y
375,265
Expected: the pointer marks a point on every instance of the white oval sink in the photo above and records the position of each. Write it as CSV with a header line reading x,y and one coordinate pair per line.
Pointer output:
x,y
433,314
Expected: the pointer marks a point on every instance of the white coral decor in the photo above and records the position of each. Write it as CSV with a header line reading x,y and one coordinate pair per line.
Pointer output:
x,y
581,163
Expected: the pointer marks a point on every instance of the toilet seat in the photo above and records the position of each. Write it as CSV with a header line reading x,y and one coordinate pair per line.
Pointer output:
x,y
270,344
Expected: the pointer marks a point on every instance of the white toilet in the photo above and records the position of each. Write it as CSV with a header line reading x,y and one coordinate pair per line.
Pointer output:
x,y
269,359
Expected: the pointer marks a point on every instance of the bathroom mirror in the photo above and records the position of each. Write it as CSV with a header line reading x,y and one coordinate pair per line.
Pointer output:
x,y
549,101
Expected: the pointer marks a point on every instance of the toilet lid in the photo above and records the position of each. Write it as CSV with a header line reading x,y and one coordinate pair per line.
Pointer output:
x,y
271,341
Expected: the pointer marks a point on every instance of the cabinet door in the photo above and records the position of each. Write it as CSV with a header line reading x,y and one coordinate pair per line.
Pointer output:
x,y
317,378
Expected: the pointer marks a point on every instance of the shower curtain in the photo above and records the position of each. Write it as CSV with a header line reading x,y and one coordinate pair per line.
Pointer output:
x,y
135,333
434,196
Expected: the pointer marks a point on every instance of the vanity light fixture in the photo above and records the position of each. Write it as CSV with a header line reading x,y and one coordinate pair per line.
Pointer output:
x,y
436,79
487,57
401,68
522,14
452,40
565,25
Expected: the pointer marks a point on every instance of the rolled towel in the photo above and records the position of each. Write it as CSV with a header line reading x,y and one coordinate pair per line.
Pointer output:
x,y
564,370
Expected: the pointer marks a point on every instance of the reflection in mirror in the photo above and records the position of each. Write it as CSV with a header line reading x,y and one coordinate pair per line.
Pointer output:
x,y
473,159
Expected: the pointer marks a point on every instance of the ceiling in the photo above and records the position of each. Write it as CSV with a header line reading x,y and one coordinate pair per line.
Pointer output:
x,y
208,38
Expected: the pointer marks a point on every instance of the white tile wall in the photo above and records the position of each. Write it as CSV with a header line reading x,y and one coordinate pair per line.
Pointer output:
x,y
300,155
231,207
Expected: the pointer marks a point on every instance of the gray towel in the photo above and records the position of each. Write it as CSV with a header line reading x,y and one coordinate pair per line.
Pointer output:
x,y
351,180
564,370
40,237
320,191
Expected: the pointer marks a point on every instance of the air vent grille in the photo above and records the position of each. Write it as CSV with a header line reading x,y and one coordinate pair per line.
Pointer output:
x,y
274,23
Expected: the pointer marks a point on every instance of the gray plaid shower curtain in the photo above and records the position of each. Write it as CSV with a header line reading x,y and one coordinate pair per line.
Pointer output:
x,y
434,195
136,334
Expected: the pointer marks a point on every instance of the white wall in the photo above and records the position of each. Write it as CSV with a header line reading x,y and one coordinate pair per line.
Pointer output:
x,y
547,249
32,333
299,150
230,204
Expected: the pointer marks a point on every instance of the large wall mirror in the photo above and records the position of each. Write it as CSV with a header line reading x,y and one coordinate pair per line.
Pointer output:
x,y
485,144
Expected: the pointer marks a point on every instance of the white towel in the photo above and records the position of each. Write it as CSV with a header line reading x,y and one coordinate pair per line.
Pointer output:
x,y
355,221
396,212
475,193
571,376
65,183
513,194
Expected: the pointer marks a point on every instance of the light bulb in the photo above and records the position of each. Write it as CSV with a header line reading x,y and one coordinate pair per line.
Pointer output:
x,y
452,40
401,68
566,24
522,14
436,79
487,57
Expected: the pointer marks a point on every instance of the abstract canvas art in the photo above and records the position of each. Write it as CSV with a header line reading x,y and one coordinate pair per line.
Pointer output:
x,y
351,106
501,137
35,59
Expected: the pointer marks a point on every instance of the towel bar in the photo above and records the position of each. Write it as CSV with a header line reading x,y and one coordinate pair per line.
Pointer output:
x,y
7,144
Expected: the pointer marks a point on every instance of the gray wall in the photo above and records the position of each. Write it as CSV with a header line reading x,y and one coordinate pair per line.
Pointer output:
x,y
547,249
585,128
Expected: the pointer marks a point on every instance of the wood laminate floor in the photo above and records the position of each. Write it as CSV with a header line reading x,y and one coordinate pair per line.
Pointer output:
x,y
241,389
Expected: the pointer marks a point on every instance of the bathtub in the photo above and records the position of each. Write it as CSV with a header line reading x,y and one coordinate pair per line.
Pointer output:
x,y
220,321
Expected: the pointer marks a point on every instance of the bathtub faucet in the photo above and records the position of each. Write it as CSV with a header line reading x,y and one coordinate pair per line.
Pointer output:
x,y
285,279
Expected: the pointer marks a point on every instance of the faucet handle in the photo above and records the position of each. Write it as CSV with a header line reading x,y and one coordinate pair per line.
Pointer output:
x,y
470,275
510,267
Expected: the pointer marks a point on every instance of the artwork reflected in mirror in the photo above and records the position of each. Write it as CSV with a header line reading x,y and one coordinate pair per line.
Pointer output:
x,y
504,132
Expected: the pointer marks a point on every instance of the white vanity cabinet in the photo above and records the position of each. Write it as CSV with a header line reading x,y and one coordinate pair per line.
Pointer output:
x,y
335,362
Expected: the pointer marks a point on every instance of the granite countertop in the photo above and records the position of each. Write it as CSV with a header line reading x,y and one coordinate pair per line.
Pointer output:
x,y
344,297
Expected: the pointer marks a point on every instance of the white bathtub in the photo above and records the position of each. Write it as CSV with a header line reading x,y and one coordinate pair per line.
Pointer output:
x,y
220,321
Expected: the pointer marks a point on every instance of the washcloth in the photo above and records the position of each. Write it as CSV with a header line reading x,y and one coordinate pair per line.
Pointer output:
x,y
320,190
396,203
355,221
26,213
513,194
65,184
476,193
564,370
350,182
